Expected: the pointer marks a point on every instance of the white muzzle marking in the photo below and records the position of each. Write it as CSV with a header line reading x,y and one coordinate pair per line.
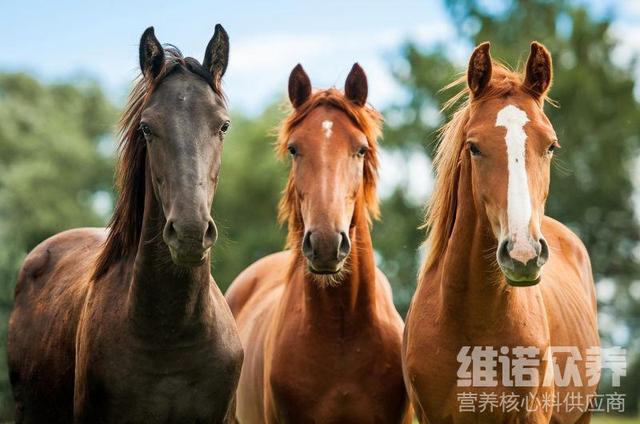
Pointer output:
x,y
518,198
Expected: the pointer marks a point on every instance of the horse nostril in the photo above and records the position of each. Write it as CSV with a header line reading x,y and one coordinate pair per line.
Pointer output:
x,y
504,258
543,256
170,233
345,246
307,249
211,235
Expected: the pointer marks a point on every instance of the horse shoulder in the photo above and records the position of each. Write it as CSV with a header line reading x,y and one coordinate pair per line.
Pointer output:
x,y
57,270
568,289
382,283
271,268
52,286
392,329
384,297
48,254
569,297
253,297
566,246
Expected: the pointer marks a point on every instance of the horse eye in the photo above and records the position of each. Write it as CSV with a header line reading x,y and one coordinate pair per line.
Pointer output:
x,y
474,149
146,130
225,127
292,150
552,148
362,151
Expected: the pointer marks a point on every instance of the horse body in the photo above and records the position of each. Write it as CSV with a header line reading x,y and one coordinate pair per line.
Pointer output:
x,y
455,307
465,297
321,336
316,354
169,353
120,373
127,325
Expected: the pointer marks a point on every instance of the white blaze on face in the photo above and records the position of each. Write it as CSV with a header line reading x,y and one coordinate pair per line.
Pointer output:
x,y
326,127
518,199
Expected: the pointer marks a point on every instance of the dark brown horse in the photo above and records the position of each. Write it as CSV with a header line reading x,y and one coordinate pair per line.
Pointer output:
x,y
499,273
127,325
320,332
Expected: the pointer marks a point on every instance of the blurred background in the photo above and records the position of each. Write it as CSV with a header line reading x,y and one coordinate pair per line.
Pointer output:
x,y
66,70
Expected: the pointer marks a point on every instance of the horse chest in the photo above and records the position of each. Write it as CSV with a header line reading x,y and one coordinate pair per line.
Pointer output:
x,y
338,402
352,382
170,398
190,384
435,369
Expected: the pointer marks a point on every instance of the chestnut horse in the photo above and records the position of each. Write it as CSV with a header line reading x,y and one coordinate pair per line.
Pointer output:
x,y
322,338
498,272
127,325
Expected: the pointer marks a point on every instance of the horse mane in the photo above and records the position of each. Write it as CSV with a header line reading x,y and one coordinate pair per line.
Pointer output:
x,y
367,120
442,206
125,225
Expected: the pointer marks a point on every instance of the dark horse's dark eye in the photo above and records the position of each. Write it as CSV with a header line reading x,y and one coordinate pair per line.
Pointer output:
x,y
474,149
362,151
146,130
292,150
225,127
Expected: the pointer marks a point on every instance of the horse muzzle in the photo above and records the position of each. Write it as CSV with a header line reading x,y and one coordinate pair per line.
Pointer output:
x,y
189,242
326,252
520,263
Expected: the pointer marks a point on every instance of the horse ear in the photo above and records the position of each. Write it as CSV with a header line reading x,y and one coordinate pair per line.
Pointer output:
x,y
539,71
151,54
479,71
355,87
216,56
299,86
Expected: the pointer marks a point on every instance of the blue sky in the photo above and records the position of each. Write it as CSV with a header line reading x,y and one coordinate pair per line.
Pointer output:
x,y
62,39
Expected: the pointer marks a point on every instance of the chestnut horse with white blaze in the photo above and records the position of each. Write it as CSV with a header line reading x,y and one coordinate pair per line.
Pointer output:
x,y
127,325
322,338
498,272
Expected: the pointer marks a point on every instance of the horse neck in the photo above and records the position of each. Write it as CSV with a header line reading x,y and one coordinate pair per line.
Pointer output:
x,y
354,296
471,289
163,294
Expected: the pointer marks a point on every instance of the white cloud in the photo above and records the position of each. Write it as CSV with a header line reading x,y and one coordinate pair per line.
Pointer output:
x,y
260,65
264,53
412,171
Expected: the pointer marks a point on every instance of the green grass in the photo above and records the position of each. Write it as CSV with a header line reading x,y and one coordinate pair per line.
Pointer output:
x,y
603,419
612,419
